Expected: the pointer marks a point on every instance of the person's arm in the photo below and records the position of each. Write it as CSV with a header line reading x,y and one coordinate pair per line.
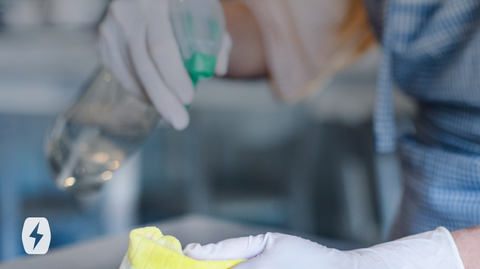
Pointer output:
x,y
247,57
297,45
468,244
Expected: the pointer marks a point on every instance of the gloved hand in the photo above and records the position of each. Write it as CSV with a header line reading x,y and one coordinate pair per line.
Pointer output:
x,y
435,249
138,45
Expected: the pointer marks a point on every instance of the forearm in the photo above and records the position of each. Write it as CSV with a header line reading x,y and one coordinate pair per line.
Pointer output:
x,y
468,244
247,57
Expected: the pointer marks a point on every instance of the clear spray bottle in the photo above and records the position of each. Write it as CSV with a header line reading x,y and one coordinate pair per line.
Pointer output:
x,y
106,124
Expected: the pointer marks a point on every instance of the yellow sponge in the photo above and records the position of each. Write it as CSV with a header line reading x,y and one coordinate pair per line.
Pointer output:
x,y
150,249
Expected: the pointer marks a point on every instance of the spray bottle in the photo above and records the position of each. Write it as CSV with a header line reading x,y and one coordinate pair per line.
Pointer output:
x,y
106,124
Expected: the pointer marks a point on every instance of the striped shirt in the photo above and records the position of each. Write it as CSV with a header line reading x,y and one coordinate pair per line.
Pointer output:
x,y
431,50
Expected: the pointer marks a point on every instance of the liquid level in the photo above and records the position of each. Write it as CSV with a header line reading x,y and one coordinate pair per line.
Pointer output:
x,y
96,135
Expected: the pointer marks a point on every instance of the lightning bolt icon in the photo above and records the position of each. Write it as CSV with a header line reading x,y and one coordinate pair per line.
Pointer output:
x,y
36,235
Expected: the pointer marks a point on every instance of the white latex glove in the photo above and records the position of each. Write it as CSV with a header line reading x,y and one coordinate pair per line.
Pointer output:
x,y
138,45
435,249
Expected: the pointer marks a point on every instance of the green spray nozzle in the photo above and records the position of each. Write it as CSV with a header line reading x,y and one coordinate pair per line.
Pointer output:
x,y
200,66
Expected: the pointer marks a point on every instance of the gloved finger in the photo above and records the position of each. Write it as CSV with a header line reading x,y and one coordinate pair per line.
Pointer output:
x,y
221,67
114,53
236,248
135,29
287,251
167,104
165,53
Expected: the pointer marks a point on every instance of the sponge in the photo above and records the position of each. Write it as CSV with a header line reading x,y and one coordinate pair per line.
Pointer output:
x,y
150,249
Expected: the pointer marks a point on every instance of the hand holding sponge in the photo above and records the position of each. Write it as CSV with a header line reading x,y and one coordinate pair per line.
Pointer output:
x,y
150,249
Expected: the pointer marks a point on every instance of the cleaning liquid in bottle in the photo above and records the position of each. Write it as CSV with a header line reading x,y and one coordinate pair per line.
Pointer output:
x,y
106,124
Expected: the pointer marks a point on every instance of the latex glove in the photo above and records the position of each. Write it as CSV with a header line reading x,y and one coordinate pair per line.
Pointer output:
x,y
435,249
138,45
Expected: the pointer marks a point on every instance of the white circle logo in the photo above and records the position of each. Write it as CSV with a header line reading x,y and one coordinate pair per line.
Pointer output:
x,y
36,236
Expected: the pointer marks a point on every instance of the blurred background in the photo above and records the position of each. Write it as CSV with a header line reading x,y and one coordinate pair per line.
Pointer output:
x,y
308,167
